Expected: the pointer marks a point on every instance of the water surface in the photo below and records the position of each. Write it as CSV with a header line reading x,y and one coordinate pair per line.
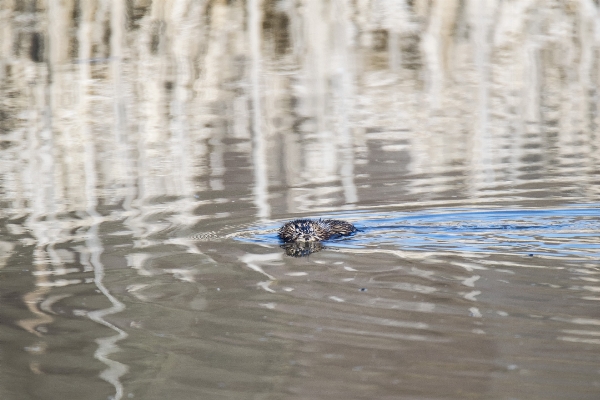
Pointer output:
x,y
149,151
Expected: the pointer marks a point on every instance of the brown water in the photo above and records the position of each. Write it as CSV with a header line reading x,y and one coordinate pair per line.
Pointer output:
x,y
150,150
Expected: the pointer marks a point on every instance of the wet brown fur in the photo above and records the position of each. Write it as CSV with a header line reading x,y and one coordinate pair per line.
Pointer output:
x,y
314,230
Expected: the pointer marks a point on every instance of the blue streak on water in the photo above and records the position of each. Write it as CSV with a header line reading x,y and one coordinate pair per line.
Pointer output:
x,y
565,232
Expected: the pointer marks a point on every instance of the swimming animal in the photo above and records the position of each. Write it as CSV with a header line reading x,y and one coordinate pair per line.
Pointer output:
x,y
314,230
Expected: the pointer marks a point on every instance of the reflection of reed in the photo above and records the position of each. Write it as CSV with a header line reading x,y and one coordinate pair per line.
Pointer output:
x,y
34,298
259,156
181,70
106,345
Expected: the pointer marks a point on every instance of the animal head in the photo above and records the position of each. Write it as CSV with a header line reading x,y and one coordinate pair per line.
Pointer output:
x,y
303,230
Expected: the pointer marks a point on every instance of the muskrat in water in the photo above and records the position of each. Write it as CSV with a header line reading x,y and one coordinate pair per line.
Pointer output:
x,y
314,230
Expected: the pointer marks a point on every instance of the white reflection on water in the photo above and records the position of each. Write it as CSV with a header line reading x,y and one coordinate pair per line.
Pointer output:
x,y
106,345
259,155
253,261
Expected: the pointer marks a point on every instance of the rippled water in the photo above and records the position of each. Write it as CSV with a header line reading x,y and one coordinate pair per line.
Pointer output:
x,y
150,151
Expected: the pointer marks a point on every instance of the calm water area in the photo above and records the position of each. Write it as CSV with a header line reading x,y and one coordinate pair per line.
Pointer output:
x,y
150,150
